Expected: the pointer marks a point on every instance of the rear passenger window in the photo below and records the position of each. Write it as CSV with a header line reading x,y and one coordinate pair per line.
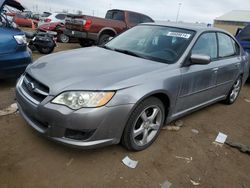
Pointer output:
x,y
226,46
115,15
60,16
134,18
206,45
146,19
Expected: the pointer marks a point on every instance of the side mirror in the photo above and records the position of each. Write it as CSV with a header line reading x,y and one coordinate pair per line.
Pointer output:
x,y
197,59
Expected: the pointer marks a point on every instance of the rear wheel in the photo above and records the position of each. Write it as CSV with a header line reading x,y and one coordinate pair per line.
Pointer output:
x,y
104,38
86,42
234,92
45,50
144,124
63,38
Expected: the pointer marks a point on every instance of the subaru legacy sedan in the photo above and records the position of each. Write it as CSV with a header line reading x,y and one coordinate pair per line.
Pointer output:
x,y
125,91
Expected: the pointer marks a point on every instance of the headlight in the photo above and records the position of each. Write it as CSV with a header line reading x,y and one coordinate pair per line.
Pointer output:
x,y
80,99
20,39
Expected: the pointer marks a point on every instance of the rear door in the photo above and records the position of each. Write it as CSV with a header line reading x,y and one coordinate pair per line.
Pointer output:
x,y
199,81
228,63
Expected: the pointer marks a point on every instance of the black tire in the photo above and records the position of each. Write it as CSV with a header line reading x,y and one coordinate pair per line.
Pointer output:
x,y
230,100
63,38
128,137
47,50
86,42
103,39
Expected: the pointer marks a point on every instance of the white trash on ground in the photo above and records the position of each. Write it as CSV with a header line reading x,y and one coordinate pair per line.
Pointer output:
x,y
166,184
9,110
70,162
194,182
179,123
187,159
247,100
195,131
221,138
175,127
129,163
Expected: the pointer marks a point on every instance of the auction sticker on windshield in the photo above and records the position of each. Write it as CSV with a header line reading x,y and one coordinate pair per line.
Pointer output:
x,y
177,34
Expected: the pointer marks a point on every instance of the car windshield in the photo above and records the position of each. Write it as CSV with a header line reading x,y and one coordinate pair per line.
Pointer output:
x,y
158,43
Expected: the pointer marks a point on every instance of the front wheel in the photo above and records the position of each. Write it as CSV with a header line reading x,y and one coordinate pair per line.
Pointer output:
x,y
144,125
45,50
63,38
104,38
234,92
86,42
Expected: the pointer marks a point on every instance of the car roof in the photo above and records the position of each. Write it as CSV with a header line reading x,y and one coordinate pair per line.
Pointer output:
x,y
129,11
189,26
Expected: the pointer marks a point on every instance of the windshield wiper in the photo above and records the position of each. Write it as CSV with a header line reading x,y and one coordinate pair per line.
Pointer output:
x,y
129,53
124,51
106,47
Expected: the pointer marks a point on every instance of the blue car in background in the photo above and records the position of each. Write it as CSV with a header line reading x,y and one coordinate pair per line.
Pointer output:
x,y
14,53
243,36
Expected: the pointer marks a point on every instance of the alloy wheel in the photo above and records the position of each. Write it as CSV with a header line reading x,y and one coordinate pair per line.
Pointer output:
x,y
235,90
147,125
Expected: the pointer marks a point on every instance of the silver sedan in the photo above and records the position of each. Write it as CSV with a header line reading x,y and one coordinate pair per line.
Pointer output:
x,y
126,90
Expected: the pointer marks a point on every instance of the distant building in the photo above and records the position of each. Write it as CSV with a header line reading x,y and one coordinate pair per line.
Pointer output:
x,y
233,20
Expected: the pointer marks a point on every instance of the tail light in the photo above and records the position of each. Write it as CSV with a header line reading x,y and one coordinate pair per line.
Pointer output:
x,y
87,24
47,20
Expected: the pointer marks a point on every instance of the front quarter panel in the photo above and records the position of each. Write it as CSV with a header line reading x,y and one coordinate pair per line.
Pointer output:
x,y
166,82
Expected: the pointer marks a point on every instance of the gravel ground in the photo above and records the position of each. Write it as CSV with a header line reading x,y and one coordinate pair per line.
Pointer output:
x,y
29,160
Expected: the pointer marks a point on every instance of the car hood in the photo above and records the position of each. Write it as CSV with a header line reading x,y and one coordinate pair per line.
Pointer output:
x,y
91,68
11,3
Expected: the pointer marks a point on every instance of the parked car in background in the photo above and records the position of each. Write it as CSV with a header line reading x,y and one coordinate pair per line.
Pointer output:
x,y
44,15
54,17
56,27
90,29
126,90
14,54
243,36
23,21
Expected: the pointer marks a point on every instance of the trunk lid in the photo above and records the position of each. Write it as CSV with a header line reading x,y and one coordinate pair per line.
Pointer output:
x,y
11,3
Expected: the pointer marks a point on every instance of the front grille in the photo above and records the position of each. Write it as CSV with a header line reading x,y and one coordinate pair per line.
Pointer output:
x,y
35,89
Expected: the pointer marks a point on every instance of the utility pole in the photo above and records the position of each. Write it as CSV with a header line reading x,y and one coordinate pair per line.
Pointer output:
x,y
178,12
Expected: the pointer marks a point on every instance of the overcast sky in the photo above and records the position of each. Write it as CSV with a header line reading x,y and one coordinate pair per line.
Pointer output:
x,y
190,10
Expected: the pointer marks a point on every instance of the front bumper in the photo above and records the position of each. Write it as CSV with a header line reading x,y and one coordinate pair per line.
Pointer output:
x,y
13,65
103,126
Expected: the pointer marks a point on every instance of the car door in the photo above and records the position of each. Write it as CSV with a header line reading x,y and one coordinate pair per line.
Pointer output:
x,y
228,64
199,81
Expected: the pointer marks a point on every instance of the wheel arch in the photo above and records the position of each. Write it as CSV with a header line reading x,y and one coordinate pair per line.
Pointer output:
x,y
162,95
107,30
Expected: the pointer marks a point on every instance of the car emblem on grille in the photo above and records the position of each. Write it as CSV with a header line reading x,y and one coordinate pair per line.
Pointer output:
x,y
30,86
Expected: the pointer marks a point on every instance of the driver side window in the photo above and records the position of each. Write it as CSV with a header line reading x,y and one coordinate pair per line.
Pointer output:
x,y
206,45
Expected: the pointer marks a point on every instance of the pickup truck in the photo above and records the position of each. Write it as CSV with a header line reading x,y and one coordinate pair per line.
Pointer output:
x,y
94,30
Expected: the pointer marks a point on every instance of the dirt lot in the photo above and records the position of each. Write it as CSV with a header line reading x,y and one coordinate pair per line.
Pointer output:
x,y
29,160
